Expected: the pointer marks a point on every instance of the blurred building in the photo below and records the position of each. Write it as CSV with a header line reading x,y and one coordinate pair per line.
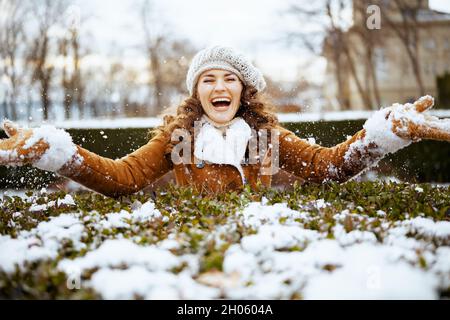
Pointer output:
x,y
382,51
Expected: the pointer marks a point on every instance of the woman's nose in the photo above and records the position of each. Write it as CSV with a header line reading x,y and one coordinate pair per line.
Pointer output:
x,y
220,85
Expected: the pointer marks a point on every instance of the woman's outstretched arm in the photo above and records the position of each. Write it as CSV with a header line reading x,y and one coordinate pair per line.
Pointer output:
x,y
122,176
387,131
52,149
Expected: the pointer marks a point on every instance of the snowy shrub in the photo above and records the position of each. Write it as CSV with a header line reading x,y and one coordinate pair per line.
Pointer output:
x,y
382,240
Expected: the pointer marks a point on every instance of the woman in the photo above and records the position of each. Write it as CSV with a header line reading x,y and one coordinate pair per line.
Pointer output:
x,y
222,137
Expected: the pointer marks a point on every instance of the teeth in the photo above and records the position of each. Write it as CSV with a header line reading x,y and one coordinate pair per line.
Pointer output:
x,y
221,100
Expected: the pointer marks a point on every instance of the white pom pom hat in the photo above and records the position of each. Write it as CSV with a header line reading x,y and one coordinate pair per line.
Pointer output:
x,y
224,58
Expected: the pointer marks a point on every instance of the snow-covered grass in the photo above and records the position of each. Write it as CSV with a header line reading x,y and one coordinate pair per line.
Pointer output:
x,y
359,240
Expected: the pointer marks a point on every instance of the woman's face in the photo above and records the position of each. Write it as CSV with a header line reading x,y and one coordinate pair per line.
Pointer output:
x,y
219,92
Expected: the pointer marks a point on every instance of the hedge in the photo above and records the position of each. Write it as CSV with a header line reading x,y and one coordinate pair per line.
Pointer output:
x,y
426,161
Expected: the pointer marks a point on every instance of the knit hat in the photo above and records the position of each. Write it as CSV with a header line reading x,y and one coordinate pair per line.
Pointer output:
x,y
224,58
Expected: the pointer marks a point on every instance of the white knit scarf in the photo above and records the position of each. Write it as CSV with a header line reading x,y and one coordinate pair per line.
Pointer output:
x,y
212,146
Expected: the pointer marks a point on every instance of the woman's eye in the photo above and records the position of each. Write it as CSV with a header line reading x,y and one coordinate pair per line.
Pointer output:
x,y
207,80
231,79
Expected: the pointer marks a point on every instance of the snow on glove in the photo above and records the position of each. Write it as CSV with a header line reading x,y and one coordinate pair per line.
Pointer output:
x,y
393,128
410,121
46,147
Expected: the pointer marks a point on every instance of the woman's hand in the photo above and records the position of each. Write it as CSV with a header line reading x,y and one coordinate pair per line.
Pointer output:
x,y
18,149
410,121
45,147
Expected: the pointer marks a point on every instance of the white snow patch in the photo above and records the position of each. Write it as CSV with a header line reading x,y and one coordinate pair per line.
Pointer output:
x,y
441,266
41,243
61,148
16,252
67,200
237,260
115,220
354,265
257,214
425,227
279,260
273,237
116,253
352,237
62,227
124,219
368,273
138,281
38,207
146,212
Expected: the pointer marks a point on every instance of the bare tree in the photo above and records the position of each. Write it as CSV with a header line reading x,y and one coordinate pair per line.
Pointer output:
x,y
154,38
333,45
93,92
121,85
66,81
47,14
71,81
288,96
12,42
405,25
326,35
78,84
371,39
168,59
177,54
349,49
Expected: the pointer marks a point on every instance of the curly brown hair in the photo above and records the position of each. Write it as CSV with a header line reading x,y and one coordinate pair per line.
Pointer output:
x,y
255,109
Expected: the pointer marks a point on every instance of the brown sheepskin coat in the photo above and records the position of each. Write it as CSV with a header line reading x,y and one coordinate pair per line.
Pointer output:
x,y
141,168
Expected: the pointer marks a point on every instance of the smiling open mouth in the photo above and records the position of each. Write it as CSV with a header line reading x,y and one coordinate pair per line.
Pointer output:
x,y
221,103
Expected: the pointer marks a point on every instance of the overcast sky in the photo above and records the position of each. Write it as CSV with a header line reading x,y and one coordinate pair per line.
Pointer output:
x,y
251,26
